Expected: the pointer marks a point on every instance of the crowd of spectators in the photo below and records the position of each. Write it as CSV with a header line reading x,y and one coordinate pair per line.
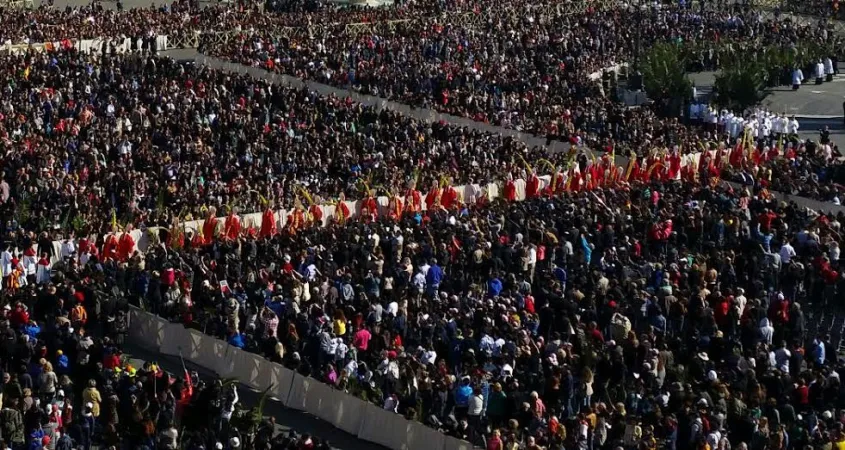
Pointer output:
x,y
166,139
65,382
656,310
651,314
187,17
659,309
78,163
523,68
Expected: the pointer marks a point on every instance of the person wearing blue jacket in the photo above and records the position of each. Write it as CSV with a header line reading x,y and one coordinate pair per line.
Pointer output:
x,y
32,329
462,395
62,363
433,278
588,252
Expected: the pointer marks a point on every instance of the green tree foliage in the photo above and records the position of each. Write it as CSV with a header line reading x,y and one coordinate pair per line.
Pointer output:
x,y
664,77
741,84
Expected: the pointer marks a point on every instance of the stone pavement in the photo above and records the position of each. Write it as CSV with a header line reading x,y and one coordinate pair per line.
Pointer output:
x,y
822,101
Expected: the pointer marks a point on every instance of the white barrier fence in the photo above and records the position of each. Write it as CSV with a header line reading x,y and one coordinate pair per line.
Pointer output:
x,y
121,45
348,413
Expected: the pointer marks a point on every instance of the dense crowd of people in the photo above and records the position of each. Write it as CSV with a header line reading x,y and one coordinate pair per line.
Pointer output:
x,y
644,306
519,68
530,70
190,17
649,314
84,166
460,316
65,382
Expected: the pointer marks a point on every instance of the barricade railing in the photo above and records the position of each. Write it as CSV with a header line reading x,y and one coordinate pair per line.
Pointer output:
x,y
346,412
121,45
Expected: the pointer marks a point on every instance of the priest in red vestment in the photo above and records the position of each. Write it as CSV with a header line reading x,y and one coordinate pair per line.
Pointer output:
x,y
209,227
268,223
126,244
432,199
110,247
450,198
532,186
232,226
413,200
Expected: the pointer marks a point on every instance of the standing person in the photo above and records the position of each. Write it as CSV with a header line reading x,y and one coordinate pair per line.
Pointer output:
x,y
11,424
48,381
828,69
92,395
797,78
476,407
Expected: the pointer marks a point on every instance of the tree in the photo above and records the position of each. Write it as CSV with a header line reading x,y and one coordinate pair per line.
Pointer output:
x,y
741,84
664,77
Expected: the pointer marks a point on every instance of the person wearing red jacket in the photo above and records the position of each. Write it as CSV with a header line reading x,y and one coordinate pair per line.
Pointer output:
x,y
20,316
111,361
186,393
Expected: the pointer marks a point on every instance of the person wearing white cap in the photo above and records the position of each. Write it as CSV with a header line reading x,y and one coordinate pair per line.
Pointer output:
x,y
712,376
